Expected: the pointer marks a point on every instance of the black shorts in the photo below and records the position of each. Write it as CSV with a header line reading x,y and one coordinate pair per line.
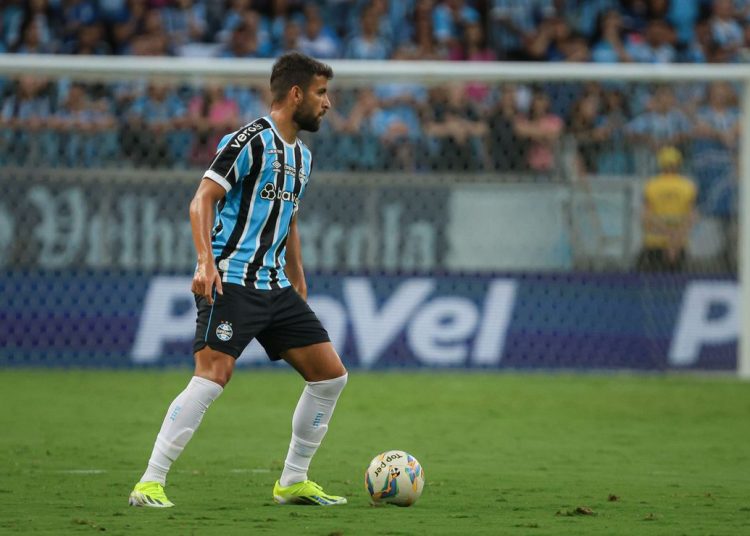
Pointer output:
x,y
280,319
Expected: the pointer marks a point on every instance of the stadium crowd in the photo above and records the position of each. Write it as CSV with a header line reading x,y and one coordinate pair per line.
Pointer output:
x,y
611,128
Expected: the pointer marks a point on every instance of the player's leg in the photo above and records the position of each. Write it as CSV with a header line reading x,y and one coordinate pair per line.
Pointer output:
x,y
221,335
321,367
213,370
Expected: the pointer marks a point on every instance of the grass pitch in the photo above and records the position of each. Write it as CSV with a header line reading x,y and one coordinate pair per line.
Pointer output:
x,y
503,454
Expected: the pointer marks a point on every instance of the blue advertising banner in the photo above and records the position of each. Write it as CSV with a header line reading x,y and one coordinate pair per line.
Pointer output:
x,y
519,321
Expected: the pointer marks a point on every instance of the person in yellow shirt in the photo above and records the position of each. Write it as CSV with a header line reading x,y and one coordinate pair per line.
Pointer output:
x,y
668,215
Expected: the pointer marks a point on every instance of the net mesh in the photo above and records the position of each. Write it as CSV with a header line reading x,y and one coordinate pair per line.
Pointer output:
x,y
460,183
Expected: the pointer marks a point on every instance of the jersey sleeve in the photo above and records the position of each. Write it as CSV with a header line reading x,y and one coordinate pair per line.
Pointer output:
x,y
232,161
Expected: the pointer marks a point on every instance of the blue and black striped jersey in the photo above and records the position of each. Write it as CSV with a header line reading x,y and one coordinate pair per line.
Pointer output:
x,y
265,178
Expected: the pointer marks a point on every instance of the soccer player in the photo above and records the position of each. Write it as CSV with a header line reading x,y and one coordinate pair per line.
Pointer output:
x,y
249,282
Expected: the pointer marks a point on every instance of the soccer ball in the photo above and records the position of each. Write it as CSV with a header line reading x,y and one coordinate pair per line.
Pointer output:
x,y
394,477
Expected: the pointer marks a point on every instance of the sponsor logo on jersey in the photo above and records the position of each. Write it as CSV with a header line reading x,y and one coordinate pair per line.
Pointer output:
x,y
224,331
271,193
245,134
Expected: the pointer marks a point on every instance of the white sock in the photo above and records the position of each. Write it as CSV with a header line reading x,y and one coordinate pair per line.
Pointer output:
x,y
181,421
309,425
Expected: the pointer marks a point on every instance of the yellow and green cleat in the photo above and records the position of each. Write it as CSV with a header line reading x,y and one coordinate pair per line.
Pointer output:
x,y
305,492
149,494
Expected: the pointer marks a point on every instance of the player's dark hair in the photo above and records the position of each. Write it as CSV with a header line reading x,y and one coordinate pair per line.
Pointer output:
x,y
295,69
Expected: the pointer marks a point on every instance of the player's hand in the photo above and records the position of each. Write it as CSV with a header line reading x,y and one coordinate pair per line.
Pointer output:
x,y
206,277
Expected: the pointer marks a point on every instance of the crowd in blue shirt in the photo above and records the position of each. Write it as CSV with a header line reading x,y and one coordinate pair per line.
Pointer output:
x,y
611,128
653,31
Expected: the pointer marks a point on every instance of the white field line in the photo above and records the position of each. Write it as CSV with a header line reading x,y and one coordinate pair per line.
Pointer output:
x,y
102,471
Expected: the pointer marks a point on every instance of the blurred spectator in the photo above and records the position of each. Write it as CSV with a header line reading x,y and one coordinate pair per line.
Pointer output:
x,y
474,48
212,114
505,147
548,42
86,129
318,40
32,39
251,103
280,14
185,22
75,15
635,15
388,15
584,15
112,10
156,128
542,130
741,10
586,131
575,48
367,44
290,38
663,124
725,30
609,40
514,24
449,17
655,46
243,41
423,45
613,155
668,215
700,49
25,122
39,14
232,18
743,54
398,123
454,130
11,22
341,13
152,39
683,15
89,41
128,24
715,139
353,141
473,45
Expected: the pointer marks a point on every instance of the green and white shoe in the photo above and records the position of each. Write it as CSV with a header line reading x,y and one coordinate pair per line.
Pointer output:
x,y
306,492
149,494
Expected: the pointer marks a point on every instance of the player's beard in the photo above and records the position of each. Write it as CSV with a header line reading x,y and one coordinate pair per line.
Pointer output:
x,y
307,119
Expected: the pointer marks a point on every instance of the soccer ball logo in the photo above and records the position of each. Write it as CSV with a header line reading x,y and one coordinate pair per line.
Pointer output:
x,y
394,477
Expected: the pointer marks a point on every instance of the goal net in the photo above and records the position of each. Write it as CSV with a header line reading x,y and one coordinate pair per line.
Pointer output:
x,y
464,215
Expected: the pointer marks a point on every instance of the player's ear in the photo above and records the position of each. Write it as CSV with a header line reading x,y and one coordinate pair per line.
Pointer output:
x,y
297,95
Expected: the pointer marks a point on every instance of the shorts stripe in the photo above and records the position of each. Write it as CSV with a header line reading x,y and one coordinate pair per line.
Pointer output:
x,y
208,326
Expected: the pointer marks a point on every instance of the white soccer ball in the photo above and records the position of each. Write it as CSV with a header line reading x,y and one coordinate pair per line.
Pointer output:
x,y
394,477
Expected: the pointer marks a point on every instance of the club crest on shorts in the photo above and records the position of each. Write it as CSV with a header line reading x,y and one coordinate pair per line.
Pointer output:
x,y
224,331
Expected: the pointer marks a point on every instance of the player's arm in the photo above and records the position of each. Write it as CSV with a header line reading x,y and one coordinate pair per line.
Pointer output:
x,y
201,220
294,270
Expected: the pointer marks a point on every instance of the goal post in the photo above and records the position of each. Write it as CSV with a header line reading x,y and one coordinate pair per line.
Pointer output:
x,y
359,74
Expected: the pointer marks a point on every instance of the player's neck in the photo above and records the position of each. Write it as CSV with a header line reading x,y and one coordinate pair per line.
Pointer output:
x,y
285,125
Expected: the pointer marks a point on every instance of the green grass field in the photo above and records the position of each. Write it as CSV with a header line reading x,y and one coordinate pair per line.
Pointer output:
x,y
503,454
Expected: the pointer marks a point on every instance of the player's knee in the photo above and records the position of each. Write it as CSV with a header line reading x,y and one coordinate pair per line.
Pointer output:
x,y
214,366
222,375
337,373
